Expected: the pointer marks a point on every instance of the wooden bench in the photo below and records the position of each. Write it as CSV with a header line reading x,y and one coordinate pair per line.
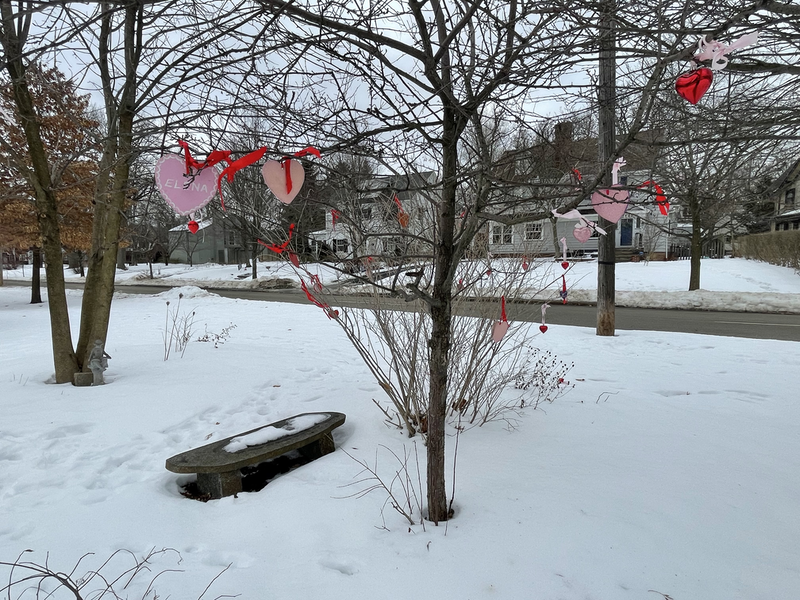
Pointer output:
x,y
219,470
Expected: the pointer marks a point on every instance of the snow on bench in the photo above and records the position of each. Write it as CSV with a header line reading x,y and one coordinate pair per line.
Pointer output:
x,y
218,464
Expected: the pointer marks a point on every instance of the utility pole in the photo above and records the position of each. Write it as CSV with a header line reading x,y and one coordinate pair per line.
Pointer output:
x,y
606,96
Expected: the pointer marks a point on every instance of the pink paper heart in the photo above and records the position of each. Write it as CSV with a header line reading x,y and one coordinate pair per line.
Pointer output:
x,y
499,329
582,234
184,194
610,204
275,177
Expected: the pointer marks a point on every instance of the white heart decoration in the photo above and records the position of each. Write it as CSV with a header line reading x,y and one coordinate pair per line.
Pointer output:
x,y
582,234
184,194
611,203
275,178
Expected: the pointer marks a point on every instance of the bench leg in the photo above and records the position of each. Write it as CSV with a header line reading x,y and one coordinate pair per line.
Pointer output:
x,y
219,485
318,448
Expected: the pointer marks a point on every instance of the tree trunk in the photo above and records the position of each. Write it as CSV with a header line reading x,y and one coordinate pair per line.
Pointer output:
x,y
36,283
607,89
64,358
2,265
697,250
441,317
254,260
112,186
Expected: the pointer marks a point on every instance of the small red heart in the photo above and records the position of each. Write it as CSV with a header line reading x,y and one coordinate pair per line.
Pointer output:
x,y
691,86
565,265
524,266
543,328
293,258
193,226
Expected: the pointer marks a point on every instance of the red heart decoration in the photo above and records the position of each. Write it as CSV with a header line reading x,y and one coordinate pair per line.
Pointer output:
x,y
193,226
565,265
543,328
691,86
524,265
294,259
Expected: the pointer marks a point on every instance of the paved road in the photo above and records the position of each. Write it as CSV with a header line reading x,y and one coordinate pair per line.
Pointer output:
x,y
748,325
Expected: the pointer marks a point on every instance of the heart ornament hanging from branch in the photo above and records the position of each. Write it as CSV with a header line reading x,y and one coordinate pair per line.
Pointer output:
x,y
582,233
184,193
611,203
693,85
278,181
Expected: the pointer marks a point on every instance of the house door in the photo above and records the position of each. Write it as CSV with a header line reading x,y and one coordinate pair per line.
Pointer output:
x,y
626,232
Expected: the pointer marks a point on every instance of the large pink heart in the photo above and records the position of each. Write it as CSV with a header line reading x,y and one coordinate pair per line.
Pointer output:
x,y
499,330
610,204
275,177
184,194
582,234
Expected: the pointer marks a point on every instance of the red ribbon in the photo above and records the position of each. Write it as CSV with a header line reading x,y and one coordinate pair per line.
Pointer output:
x,y
335,216
279,249
216,156
329,312
661,197
235,166
287,163
503,309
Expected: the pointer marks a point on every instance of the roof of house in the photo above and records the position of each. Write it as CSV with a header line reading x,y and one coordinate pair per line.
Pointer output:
x,y
788,176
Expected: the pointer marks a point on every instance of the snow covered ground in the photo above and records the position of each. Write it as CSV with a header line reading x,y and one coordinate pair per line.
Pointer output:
x,y
669,470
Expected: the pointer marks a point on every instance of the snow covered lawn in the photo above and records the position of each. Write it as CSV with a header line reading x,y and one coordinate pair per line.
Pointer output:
x,y
672,467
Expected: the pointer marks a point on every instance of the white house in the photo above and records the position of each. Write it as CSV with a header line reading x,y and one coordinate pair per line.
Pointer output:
x,y
642,229
376,220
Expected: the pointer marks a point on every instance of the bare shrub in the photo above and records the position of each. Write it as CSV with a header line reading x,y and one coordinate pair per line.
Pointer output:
x,y
402,486
177,329
121,575
394,345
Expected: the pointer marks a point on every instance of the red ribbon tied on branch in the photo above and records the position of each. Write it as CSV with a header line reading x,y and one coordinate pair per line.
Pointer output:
x,y
216,156
661,197
402,216
279,249
237,165
286,163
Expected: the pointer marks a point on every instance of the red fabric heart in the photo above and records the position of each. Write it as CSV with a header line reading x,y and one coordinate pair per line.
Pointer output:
x,y
691,86
294,259
543,328
193,226
565,265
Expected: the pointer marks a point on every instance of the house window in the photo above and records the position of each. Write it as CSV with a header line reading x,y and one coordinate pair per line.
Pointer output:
x,y
533,231
795,225
502,234
340,245
230,238
366,211
789,198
